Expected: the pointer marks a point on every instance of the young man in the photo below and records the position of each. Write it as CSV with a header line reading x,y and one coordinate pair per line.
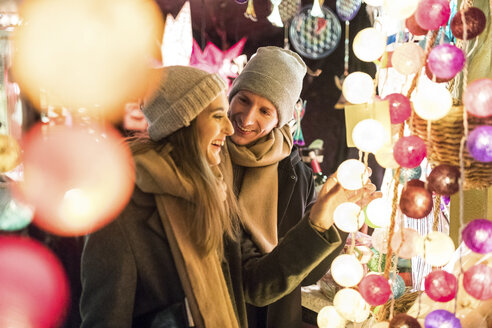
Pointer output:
x,y
275,189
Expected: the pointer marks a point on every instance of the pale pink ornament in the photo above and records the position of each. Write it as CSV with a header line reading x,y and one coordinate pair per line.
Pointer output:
x,y
408,58
411,242
477,97
432,14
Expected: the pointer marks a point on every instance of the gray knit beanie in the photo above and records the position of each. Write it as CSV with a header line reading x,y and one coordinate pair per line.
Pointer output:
x,y
183,92
275,74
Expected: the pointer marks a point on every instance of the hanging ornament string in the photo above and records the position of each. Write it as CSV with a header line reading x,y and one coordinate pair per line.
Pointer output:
x,y
250,11
437,211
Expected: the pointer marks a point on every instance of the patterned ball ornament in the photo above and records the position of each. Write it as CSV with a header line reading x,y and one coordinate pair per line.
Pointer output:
x,y
475,23
477,236
397,285
445,61
409,151
375,289
440,286
477,97
440,319
479,143
410,174
444,179
432,14
416,200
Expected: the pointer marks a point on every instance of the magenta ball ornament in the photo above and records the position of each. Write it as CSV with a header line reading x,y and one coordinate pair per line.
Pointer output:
x,y
475,22
409,151
477,281
477,236
432,14
479,143
432,76
403,320
444,179
400,108
446,60
413,27
441,318
415,201
477,97
375,289
440,286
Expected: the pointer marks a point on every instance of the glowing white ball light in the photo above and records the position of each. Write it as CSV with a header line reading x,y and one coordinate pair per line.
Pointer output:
x,y
400,9
369,135
352,174
369,44
384,157
437,248
358,88
379,212
328,317
350,304
346,270
348,217
432,101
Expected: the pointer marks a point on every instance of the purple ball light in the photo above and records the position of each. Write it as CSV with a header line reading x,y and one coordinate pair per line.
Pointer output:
x,y
445,61
477,236
480,143
441,318
432,14
399,106
477,97
409,151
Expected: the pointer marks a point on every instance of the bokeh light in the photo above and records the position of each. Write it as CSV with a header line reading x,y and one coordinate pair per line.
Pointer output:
x,y
432,101
86,175
35,290
375,289
369,135
346,270
438,248
358,88
477,98
409,151
408,58
477,236
88,54
479,143
350,305
440,286
328,317
369,44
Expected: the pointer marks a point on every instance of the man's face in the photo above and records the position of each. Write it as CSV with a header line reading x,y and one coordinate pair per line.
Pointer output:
x,y
252,117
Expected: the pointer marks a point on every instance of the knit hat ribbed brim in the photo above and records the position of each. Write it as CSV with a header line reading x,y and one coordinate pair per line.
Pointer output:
x,y
183,93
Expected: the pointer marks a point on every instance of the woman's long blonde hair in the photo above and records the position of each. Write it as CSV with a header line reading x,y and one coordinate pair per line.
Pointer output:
x,y
211,218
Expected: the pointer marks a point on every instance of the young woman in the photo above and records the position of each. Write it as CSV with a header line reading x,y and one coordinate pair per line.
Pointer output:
x,y
176,256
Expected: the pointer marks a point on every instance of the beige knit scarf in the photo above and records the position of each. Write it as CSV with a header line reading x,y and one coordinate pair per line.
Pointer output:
x,y
259,190
201,276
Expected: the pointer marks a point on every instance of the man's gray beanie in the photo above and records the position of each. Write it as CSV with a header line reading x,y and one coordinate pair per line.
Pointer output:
x,y
183,92
275,74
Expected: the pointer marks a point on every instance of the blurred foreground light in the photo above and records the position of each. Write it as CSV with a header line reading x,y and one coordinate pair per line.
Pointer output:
x,y
77,179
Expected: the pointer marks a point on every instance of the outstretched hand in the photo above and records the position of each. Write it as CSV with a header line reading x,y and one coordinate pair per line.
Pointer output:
x,y
333,194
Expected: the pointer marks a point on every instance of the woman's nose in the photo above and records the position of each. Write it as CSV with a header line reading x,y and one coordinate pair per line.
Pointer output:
x,y
228,128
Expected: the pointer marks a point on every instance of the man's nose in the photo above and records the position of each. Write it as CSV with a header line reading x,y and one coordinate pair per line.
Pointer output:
x,y
249,116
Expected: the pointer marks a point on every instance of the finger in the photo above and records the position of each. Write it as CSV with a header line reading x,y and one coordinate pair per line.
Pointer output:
x,y
370,188
330,183
369,171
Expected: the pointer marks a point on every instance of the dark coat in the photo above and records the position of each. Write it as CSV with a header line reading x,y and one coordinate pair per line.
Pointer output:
x,y
296,195
129,278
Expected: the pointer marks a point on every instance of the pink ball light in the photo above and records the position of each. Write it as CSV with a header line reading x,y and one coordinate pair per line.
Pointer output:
x,y
35,290
477,236
479,143
445,61
409,151
375,289
477,281
477,97
440,286
400,108
432,14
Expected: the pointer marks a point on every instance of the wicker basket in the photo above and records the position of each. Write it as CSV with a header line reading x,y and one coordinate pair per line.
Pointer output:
x,y
443,145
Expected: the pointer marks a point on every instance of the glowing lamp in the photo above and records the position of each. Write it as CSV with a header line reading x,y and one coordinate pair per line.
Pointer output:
x,y
408,58
348,217
352,174
477,236
403,320
441,318
380,240
409,151
413,27
358,88
479,143
475,22
378,211
478,281
438,248
346,270
432,14
328,317
86,179
369,135
411,242
444,179
477,97
35,290
400,9
350,305
384,157
432,102
446,60
400,108
369,44
440,286
375,289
